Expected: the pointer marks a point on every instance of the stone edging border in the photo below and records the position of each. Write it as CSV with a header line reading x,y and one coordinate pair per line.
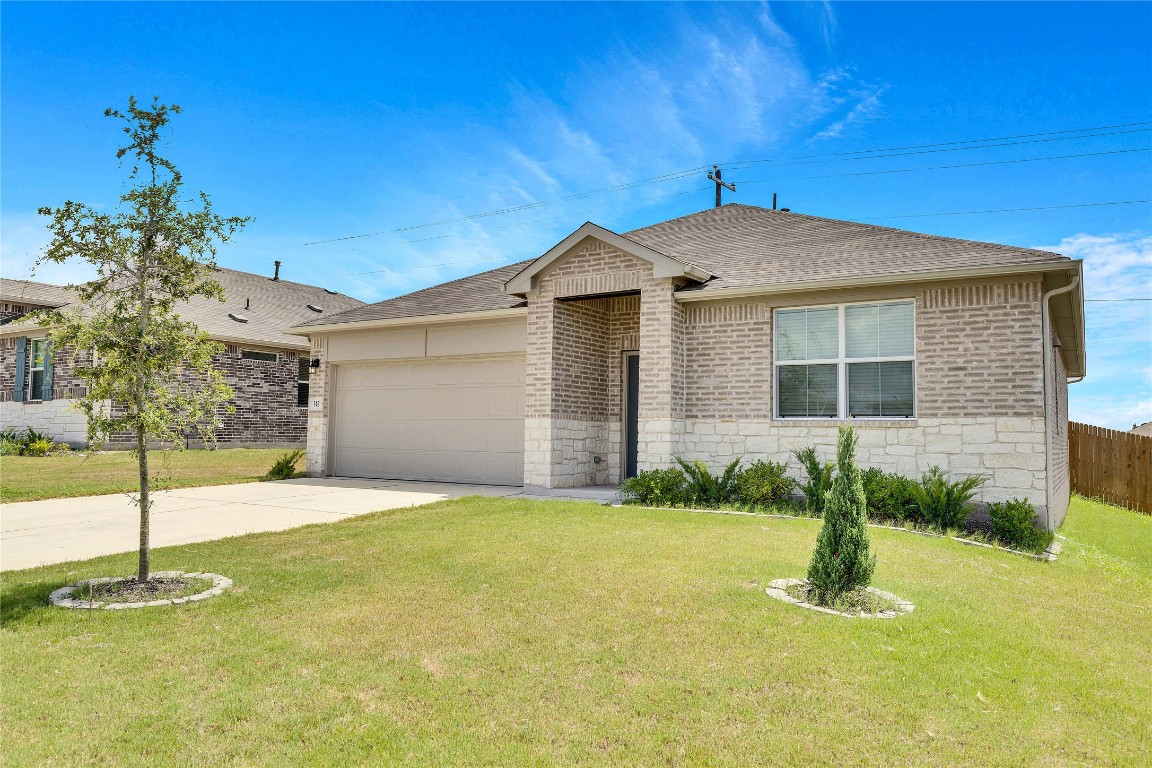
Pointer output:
x,y
1049,555
777,590
63,596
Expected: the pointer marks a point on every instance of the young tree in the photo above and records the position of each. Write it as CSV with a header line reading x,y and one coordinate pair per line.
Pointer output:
x,y
841,562
152,373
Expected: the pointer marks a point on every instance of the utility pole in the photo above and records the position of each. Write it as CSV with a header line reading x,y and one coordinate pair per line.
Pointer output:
x,y
721,185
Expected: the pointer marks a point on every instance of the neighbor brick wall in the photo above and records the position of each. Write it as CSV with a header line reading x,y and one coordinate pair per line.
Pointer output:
x,y
264,395
978,351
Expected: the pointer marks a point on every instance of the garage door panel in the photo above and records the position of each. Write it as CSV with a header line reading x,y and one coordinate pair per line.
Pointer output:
x,y
458,420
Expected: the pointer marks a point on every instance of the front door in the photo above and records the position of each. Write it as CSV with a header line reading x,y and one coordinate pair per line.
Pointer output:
x,y
631,411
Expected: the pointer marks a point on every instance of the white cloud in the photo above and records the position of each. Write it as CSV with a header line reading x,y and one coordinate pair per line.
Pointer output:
x,y
866,107
1118,334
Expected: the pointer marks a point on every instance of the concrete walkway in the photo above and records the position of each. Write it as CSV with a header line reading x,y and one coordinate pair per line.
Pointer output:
x,y
58,530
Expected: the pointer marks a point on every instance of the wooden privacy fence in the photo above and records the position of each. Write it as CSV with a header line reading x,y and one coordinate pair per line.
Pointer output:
x,y
1110,465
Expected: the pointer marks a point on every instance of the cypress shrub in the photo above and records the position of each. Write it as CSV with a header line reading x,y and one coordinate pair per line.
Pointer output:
x,y
841,562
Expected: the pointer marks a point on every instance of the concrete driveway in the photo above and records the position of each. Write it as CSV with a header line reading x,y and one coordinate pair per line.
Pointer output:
x,y
57,530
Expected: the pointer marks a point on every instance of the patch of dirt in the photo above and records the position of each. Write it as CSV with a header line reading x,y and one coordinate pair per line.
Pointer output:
x,y
133,591
858,600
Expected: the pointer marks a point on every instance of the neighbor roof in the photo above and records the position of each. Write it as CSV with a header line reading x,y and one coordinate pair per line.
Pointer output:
x,y
33,294
269,306
741,246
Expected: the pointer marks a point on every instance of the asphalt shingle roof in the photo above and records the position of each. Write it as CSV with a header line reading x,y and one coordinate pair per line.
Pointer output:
x,y
742,246
32,293
474,293
269,306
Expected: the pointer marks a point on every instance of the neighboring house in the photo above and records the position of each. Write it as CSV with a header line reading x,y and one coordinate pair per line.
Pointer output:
x,y
1142,429
735,332
266,368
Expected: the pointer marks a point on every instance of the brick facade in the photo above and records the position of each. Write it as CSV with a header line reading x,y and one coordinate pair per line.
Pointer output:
x,y
707,377
978,351
707,382
264,395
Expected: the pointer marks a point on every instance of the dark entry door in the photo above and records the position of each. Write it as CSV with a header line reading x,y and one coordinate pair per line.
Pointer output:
x,y
631,411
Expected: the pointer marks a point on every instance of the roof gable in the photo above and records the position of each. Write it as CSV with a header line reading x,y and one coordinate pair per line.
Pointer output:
x,y
662,264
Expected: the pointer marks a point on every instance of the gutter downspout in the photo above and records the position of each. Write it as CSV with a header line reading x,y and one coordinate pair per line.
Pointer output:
x,y
1047,342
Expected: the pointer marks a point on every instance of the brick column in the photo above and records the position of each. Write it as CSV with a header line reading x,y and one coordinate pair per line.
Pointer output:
x,y
661,412
538,392
318,380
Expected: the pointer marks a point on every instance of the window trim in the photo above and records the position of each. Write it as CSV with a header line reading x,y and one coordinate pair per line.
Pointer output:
x,y
276,355
35,393
842,362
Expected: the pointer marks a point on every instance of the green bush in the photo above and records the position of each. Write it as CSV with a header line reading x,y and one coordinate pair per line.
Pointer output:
x,y
1014,525
10,443
764,483
655,488
943,504
285,466
819,479
706,489
841,562
28,442
890,496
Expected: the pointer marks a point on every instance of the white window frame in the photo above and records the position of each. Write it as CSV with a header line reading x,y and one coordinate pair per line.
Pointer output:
x,y
276,355
34,392
842,362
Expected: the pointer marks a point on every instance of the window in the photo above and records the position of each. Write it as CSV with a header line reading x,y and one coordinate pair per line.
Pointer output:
x,y
302,382
848,360
36,376
251,354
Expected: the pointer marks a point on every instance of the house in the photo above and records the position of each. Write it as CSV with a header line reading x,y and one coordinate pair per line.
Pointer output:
x,y
266,368
1142,429
735,332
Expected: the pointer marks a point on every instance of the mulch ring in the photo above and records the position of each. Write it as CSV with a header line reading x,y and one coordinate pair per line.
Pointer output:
x,y
164,588
872,604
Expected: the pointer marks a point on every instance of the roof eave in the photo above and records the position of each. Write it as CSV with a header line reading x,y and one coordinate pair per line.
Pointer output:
x,y
392,322
708,294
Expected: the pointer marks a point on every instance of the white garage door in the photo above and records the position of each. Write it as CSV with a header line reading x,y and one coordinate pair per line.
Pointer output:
x,y
452,419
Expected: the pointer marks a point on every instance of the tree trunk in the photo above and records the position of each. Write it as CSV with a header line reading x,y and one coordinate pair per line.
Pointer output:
x,y
144,571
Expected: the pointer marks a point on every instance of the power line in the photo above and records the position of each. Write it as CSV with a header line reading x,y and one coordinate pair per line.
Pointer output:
x,y
871,154
1134,299
1007,210
873,218
947,167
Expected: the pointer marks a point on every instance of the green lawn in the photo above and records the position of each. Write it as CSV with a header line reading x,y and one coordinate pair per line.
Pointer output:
x,y
25,478
512,632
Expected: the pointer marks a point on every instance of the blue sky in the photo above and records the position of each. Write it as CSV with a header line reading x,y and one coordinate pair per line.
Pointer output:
x,y
329,120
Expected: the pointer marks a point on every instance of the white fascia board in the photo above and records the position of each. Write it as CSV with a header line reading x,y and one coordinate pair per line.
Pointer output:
x,y
662,266
709,294
394,322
